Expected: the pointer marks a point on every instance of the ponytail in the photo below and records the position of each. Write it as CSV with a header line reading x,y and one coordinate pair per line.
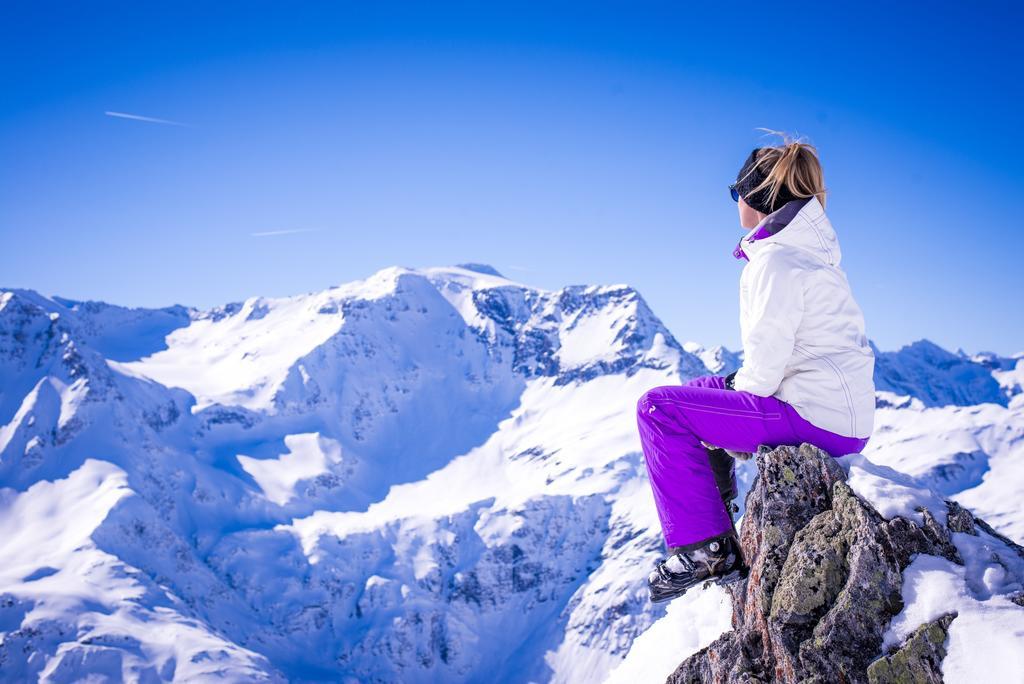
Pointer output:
x,y
793,167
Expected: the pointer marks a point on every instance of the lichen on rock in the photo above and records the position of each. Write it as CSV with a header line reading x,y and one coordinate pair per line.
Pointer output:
x,y
919,660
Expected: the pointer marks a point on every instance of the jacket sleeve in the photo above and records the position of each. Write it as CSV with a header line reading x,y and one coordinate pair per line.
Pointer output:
x,y
769,317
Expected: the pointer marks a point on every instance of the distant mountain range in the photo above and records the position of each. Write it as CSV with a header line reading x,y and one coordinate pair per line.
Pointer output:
x,y
428,475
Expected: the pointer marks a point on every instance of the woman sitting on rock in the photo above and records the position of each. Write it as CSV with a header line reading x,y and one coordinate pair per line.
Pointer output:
x,y
806,376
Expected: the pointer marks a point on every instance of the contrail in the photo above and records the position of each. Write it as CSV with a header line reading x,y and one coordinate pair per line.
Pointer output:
x,y
150,119
283,232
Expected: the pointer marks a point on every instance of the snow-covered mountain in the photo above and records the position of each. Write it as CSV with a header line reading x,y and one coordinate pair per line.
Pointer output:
x,y
431,474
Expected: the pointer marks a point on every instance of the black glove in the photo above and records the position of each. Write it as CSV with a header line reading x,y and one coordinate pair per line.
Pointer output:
x,y
729,379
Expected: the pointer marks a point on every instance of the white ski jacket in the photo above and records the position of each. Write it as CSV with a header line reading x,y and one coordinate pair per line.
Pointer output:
x,y
803,333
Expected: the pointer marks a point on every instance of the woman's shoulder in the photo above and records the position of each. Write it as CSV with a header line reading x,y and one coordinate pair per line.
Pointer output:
x,y
779,264
780,256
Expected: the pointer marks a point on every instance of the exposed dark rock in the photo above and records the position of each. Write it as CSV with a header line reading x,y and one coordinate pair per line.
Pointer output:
x,y
959,519
825,580
919,660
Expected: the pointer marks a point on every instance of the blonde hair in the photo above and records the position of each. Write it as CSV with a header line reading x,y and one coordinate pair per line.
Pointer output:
x,y
793,165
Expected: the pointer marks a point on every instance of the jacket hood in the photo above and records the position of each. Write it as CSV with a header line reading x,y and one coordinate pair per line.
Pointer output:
x,y
806,227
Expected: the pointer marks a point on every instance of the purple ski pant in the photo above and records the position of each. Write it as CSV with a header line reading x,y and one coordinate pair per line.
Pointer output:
x,y
674,419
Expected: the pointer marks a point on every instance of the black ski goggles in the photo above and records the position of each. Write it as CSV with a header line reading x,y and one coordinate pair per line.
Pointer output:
x,y
732,191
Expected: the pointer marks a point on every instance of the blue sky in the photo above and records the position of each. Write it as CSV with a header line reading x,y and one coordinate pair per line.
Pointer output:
x,y
561,143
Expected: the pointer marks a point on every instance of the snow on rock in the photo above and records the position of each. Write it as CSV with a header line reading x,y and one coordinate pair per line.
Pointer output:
x,y
984,635
891,492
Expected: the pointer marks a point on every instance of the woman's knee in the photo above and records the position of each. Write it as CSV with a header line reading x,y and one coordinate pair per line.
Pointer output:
x,y
666,405
647,401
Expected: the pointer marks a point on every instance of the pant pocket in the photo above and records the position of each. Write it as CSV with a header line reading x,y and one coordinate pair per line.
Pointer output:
x,y
723,411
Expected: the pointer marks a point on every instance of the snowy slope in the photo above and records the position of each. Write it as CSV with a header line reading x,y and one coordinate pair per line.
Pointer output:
x,y
428,475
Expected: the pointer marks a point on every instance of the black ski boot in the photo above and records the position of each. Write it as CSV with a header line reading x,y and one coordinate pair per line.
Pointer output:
x,y
716,560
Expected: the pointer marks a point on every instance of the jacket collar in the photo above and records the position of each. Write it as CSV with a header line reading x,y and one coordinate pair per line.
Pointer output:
x,y
806,227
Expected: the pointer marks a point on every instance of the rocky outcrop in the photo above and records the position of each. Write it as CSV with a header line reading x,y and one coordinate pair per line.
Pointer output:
x,y
825,581
919,660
